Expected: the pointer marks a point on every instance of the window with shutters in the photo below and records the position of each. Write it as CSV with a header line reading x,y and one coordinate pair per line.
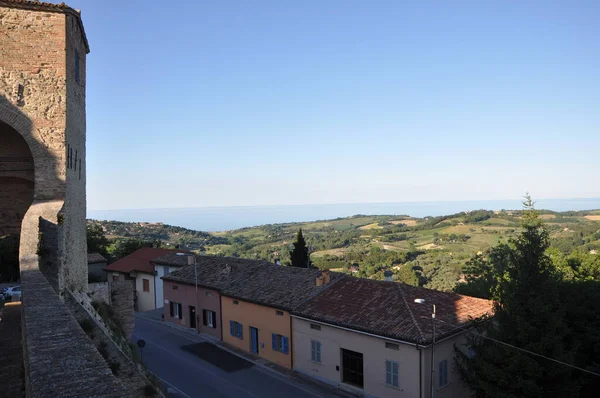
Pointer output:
x,y
280,343
210,318
443,373
315,351
236,329
146,283
391,373
176,310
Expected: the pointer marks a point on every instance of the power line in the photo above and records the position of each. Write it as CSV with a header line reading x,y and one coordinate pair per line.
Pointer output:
x,y
522,349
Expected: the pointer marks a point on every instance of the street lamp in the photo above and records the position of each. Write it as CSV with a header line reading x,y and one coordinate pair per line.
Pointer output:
x,y
422,301
192,261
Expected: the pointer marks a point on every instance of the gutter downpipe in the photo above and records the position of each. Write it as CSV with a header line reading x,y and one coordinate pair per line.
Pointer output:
x,y
420,371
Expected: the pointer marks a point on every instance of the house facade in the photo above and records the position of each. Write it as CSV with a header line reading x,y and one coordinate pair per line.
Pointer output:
x,y
372,338
250,300
164,265
96,264
258,329
196,309
138,268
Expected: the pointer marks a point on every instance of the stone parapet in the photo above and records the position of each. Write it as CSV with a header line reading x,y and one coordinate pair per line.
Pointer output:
x,y
60,360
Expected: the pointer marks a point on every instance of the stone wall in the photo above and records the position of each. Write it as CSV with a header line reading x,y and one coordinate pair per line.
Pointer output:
x,y
99,292
122,304
60,360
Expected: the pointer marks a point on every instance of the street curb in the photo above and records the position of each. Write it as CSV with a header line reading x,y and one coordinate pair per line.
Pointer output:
x,y
291,379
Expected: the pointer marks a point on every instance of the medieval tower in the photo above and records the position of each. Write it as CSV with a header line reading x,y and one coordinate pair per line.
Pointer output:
x,y
43,51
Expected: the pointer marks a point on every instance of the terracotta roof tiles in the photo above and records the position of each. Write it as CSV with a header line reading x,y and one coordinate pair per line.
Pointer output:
x,y
94,258
388,309
139,260
254,281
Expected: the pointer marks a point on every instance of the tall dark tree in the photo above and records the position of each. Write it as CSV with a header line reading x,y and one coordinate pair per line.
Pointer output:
x,y
528,315
300,256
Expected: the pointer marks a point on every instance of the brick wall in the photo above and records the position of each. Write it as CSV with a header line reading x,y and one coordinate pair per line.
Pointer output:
x,y
42,99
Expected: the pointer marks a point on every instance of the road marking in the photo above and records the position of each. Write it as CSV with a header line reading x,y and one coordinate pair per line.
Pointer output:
x,y
204,369
262,368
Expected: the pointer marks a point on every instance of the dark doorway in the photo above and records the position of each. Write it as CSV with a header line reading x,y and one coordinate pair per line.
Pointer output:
x,y
352,368
193,317
254,340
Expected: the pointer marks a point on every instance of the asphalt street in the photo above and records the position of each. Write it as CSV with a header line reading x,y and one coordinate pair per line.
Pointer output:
x,y
194,367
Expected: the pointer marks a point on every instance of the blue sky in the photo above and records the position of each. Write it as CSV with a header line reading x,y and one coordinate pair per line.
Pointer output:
x,y
221,103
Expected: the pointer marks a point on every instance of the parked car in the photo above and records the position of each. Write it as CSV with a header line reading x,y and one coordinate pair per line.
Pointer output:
x,y
13,292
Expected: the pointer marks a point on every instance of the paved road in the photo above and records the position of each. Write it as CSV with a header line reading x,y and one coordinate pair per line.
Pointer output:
x,y
197,368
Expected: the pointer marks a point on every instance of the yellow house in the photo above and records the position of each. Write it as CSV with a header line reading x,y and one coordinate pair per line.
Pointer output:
x,y
256,306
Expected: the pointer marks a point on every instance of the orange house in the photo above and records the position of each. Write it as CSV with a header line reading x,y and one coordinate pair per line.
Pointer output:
x,y
255,310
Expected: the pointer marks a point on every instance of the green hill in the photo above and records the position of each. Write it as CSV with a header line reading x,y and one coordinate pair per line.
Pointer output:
x,y
429,251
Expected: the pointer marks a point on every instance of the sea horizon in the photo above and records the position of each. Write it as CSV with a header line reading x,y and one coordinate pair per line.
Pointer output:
x,y
217,218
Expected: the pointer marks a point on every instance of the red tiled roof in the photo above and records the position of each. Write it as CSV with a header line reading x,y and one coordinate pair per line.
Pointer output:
x,y
388,309
139,260
48,7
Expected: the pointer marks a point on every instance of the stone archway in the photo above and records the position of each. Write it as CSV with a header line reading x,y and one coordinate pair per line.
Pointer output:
x,y
16,179
16,196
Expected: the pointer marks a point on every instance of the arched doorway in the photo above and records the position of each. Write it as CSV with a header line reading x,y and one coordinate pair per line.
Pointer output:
x,y
16,195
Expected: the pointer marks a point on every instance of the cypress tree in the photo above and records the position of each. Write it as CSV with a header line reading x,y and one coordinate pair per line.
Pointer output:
x,y
299,255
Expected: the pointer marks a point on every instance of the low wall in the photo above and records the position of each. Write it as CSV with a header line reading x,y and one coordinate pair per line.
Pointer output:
x,y
99,292
59,359
122,303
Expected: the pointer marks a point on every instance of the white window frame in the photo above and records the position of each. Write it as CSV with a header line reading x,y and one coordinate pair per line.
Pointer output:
x,y
442,373
210,319
390,373
176,312
315,351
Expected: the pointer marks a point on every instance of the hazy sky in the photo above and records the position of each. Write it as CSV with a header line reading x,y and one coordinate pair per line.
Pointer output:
x,y
210,103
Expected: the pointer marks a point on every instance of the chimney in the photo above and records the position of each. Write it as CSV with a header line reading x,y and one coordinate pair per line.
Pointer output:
x,y
191,258
319,280
387,275
326,276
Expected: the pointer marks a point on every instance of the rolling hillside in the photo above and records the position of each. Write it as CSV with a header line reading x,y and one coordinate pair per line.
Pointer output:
x,y
428,251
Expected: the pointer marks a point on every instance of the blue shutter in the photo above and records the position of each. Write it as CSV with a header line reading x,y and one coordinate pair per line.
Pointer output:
x,y
274,337
285,344
388,373
442,373
231,328
240,331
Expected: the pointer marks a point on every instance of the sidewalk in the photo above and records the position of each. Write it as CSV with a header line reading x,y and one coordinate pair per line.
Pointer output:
x,y
291,375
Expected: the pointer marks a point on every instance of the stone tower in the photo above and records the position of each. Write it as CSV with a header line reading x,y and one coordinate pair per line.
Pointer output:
x,y
43,51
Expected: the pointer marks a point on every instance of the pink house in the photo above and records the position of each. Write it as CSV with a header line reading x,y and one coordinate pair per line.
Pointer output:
x,y
199,308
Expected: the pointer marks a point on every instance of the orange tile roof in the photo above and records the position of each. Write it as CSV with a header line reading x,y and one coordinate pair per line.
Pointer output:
x,y
388,309
139,260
